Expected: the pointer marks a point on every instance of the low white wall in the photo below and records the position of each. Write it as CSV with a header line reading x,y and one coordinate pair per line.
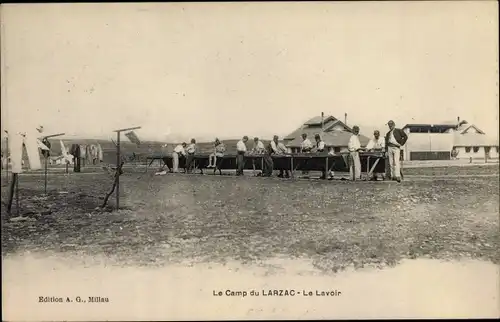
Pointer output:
x,y
463,154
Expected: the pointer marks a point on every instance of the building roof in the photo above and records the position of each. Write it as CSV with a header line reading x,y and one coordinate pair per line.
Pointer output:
x,y
465,127
311,127
334,138
317,120
474,140
424,125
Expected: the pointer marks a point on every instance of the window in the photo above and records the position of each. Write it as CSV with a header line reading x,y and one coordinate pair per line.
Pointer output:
x,y
467,149
476,149
336,149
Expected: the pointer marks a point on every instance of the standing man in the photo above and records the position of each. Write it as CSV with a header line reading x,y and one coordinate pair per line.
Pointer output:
x,y
354,146
258,149
190,151
179,151
376,144
268,161
279,149
241,149
305,147
394,140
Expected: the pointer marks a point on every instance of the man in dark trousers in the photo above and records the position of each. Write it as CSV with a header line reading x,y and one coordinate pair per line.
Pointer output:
x,y
241,150
268,161
394,140
190,152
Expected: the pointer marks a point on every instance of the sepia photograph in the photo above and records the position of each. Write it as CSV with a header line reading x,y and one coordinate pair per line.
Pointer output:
x,y
250,160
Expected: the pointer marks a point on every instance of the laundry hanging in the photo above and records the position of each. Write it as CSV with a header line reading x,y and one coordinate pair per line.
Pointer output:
x,y
31,144
100,154
83,151
133,137
16,152
88,154
67,157
45,146
93,152
75,150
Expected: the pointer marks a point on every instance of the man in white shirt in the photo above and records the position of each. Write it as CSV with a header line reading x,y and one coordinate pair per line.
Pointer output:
x,y
279,148
190,152
306,145
320,148
241,150
376,144
320,144
179,151
394,141
354,146
258,146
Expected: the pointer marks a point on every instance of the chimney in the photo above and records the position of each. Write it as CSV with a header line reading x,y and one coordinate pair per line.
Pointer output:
x,y
345,118
458,120
322,121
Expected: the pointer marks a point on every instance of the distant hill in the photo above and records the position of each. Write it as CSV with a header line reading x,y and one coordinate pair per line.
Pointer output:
x,y
146,148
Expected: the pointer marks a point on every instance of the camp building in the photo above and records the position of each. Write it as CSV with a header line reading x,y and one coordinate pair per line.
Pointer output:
x,y
448,140
333,131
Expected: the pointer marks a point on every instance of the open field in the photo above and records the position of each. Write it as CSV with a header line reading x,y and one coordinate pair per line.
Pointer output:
x,y
337,224
425,248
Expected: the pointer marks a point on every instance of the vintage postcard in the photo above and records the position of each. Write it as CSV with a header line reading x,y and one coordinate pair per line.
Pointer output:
x,y
250,160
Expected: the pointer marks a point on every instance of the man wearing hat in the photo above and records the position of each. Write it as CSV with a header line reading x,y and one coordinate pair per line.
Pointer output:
x,y
354,147
394,140
268,161
190,152
241,149
305,147
320,148
279,148
179,152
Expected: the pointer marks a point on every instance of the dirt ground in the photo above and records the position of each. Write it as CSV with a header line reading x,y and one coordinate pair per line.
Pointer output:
x,y
336,224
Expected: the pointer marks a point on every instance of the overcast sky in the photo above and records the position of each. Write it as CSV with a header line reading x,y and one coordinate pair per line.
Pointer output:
x,y
258,69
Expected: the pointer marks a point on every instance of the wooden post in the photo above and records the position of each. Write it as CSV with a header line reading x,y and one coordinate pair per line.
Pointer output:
x,y
47,158
45,183
326,168
118,169
367,167
12,189
7,160
119,164
291,166
17,195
